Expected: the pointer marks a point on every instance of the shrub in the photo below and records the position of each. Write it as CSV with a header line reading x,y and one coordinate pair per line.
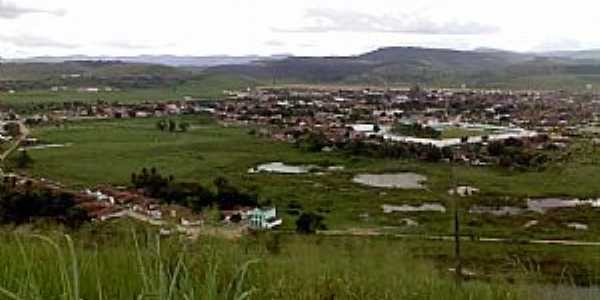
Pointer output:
x,y
309,223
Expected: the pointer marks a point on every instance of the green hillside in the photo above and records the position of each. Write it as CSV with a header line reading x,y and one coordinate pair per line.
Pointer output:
x,y
433,67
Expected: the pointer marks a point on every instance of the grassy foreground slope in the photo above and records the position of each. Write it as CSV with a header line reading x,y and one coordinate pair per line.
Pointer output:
x,y
121,264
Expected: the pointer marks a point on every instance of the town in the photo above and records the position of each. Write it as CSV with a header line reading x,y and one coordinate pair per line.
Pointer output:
x,y
434,125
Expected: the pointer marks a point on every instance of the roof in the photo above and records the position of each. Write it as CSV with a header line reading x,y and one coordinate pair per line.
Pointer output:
x,y
363,127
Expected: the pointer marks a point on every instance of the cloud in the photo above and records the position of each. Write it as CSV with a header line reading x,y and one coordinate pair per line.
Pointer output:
x,y
275,43
558,44
306,45
330,20
9,10
135,45
31,41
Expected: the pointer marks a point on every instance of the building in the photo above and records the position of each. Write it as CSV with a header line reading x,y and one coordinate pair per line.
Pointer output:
x,y
261,219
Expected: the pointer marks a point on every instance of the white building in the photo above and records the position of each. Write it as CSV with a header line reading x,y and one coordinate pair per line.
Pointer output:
x,y
260,219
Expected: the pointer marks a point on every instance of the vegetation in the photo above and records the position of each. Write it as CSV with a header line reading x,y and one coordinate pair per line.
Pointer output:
x,y
407,66
172,126
106,262
203,86
192,195
512,153
18,206
309,223
416,130
208,151
456,132
24,160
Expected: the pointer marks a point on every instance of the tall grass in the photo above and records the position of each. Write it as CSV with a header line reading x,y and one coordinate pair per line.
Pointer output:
x,y
140,265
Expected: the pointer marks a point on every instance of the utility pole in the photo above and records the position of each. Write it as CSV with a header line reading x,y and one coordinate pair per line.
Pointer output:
x,y
454,195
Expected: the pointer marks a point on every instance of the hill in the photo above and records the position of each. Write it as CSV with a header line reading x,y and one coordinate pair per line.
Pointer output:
x,y
167,60
31,76
485,68
593,54
437,67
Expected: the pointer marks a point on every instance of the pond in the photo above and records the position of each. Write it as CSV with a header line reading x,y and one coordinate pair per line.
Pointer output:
x,y
435,207
400,180
46,146
534,205
281,168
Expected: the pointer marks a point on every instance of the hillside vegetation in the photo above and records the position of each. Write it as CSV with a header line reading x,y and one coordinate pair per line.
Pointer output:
x,y
434,67
116,261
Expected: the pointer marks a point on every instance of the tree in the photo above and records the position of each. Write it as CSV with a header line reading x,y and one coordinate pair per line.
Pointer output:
x,y
496,148
13,129
236,218
416,92
213,215
24,160
184,126
172,126
161,125
309,223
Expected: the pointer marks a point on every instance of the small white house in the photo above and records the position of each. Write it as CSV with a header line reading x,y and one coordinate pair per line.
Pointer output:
x,y
363,128
261,219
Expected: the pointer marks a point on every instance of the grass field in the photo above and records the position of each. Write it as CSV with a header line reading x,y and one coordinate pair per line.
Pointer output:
x,y
206,86
115,261
456,132
107,152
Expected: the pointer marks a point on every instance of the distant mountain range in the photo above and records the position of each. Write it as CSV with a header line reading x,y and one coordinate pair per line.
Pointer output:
x,y
435,67
484,67
168,60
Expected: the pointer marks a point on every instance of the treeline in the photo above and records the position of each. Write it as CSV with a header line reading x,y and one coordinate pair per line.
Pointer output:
x,y
28,204
191,194
119,82
416,130
379,148
511,153
172,126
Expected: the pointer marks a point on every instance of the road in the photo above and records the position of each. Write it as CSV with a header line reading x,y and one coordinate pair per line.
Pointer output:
x,y
24,133
374,232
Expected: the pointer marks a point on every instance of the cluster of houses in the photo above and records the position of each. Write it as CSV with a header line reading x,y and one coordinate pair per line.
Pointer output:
x,y
108,203
103,110
343,115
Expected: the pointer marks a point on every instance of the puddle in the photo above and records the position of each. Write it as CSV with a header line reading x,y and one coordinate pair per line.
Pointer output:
x,y
409,222
497,211
281,168
534,205
463,191
543,205
401,180
436,207
531,224
578,226
47,146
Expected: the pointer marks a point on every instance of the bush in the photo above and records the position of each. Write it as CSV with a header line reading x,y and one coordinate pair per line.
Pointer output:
x,y
24,160
309,223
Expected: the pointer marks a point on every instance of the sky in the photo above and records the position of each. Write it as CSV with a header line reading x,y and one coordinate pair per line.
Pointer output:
x,y
300,27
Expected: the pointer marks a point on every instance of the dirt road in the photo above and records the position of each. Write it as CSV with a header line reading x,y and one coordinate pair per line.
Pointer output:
x,y
24,133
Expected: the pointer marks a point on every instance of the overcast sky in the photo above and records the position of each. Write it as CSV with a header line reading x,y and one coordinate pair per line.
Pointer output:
x,y
300,27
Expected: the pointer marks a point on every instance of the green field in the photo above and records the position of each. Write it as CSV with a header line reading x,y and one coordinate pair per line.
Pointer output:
x,y
206,86
107,152
456,132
